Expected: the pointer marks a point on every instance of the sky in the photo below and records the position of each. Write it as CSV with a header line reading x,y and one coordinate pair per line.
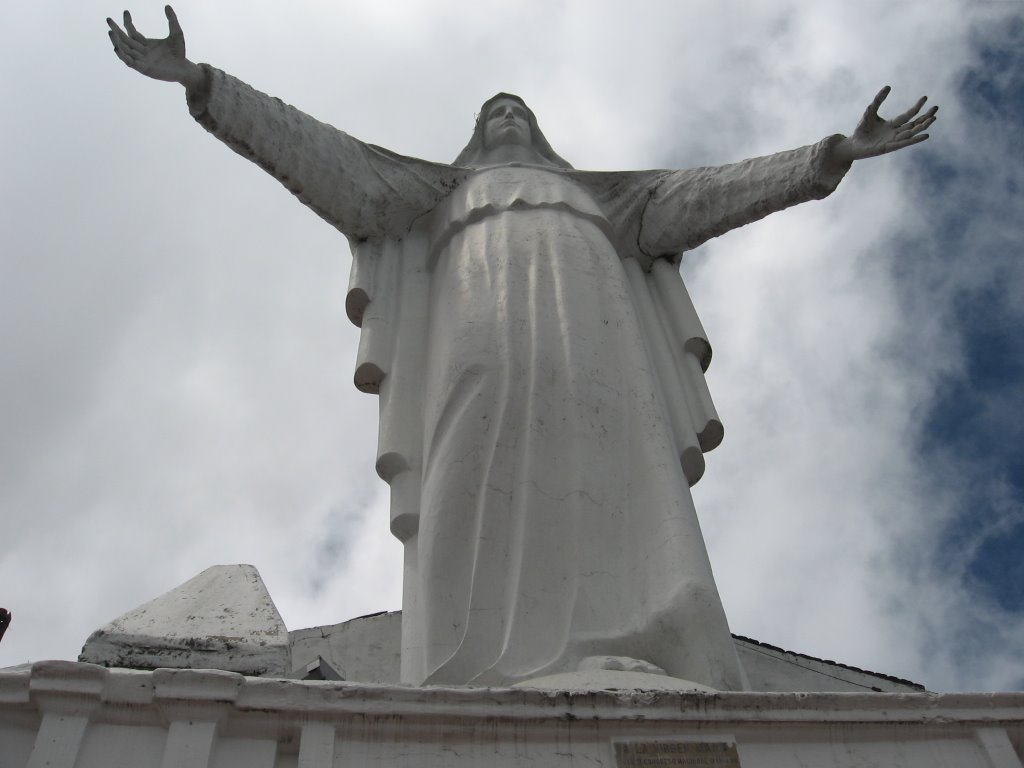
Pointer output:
x,y
176,364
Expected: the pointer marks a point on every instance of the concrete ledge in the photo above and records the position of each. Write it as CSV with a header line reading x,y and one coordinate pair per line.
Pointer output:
x,y
361,724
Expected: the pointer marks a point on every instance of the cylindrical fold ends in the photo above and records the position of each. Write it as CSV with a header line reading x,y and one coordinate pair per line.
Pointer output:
x,y
405,504
368,376
355,302
395,334
389,465
692,461
687,329
690,350
710,431
370,304
365,258
683,430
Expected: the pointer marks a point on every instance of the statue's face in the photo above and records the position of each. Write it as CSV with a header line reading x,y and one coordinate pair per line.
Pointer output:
x,y
506,122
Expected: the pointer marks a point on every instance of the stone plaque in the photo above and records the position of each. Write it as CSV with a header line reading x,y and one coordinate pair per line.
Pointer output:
x,y
676,754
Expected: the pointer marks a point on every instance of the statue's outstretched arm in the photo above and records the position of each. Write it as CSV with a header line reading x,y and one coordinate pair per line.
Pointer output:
x,y
689,207
364,191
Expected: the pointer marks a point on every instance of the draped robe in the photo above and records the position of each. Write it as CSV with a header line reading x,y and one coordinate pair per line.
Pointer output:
x,y
540,372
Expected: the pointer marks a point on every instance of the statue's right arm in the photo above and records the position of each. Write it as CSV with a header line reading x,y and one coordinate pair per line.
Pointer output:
x,y
362,190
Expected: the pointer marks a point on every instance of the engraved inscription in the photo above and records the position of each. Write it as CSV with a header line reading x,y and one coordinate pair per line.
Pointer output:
x,y
677,754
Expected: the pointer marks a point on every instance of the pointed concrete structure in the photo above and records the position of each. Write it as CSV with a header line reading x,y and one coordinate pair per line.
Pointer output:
x,y
223,618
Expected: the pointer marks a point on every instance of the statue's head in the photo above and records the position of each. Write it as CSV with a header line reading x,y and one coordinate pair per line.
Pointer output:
x,y
505,120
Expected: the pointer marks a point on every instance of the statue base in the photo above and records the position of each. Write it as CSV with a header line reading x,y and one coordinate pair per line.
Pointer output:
x,y
612,680
225,619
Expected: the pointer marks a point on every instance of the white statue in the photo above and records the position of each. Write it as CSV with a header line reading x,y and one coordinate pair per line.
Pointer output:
x,y
540,371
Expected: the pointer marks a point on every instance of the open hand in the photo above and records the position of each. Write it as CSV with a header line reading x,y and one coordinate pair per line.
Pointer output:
x,y
161,59
875,136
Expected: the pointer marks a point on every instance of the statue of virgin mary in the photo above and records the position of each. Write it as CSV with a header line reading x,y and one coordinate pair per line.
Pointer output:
x,y
540,369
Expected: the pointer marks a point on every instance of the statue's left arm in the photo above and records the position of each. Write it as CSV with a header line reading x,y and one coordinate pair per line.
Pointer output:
x,y
686,208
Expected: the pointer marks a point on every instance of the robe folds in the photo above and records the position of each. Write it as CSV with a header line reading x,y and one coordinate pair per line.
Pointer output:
x,y
540,369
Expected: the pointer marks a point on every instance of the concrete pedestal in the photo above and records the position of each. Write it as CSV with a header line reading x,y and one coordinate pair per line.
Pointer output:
x,y
77,715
